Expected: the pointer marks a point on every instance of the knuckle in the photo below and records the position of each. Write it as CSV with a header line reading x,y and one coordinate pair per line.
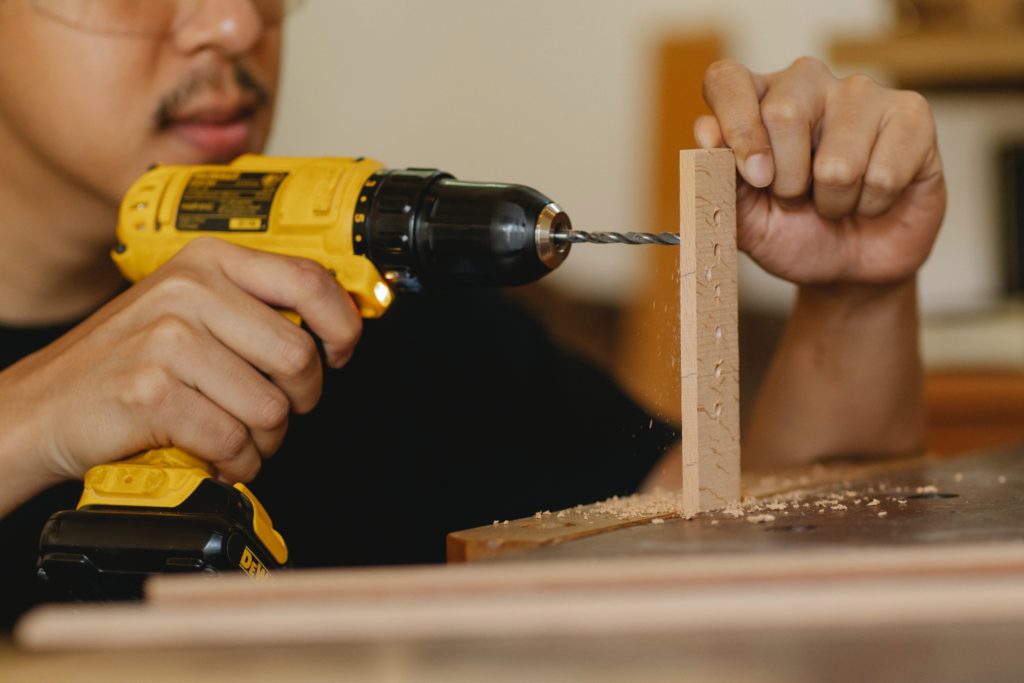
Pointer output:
x,y
881,180
783,113
297,356
811,64
721,74
836,172
273,413
148,389
858,83
914,105
914,102
184,284
723,70
170,333
313,279
233,440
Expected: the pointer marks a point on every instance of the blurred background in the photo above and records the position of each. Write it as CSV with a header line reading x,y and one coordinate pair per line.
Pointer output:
x,y
589,101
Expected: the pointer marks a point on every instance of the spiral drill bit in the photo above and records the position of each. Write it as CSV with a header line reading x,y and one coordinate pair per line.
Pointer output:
x,y
577,236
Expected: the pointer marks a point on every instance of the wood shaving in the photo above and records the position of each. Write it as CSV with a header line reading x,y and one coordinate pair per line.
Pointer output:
x,y
927,489
874,502
641,505
657,520
883,513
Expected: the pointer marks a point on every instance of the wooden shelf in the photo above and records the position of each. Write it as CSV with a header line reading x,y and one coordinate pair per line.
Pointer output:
x,y
940,59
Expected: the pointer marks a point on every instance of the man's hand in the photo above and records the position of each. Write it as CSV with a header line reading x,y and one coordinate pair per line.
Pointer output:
x,y
841,178
194,356
841,192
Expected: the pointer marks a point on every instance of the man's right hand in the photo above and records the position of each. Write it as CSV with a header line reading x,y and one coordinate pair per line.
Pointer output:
x,y
194,356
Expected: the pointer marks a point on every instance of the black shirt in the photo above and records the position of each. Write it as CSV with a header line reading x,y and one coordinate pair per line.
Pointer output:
x,y
455,410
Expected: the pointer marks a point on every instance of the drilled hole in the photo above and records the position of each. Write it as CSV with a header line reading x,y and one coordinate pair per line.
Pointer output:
x,y
718,332
718,291
718,409
718,252
715,218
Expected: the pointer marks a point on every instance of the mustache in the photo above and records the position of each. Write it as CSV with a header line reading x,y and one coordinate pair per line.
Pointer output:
x,y
198,81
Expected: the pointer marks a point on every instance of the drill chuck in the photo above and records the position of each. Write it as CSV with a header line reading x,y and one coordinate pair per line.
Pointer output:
x,y
422,227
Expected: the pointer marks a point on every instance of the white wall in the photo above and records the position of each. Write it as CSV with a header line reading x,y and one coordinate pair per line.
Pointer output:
x,y
550,93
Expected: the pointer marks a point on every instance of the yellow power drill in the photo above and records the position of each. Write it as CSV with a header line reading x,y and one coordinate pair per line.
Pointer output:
x,y
379,232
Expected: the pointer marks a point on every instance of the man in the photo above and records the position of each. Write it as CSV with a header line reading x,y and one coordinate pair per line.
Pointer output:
x,y
440,420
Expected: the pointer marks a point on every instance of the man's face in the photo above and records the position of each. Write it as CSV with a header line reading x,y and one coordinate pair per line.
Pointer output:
x,y
96,108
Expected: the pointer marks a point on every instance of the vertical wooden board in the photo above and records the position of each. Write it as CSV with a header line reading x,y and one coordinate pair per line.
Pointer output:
x,y
709,334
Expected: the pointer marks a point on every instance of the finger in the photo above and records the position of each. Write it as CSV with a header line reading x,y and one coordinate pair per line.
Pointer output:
x,y
248,327
204,429
733,94
300,285
177,415
902,152
203,363
707,133
790,111
849,131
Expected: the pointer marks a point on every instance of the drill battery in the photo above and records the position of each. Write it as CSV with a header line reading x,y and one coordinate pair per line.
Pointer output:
x,y
107,547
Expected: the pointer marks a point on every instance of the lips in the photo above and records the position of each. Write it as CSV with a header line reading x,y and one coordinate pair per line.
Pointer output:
x,y
219,132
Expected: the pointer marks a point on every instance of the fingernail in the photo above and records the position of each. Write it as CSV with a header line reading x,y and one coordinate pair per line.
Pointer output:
x,y
759,170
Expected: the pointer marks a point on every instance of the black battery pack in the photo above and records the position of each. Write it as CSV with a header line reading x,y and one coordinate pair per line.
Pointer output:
x,y
106,552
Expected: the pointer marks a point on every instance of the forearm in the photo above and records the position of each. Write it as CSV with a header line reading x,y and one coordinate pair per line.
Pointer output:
x,y
846,379
21,471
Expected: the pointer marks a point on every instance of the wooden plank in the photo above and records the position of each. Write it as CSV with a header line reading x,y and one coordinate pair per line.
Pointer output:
x,y
884,586
709,330
569,576
527,533
484,542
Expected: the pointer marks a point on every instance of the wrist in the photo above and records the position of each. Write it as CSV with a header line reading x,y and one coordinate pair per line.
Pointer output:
x,y
858,304
25,464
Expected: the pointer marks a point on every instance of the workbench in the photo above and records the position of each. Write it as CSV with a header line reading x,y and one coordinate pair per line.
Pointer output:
x,y
808,582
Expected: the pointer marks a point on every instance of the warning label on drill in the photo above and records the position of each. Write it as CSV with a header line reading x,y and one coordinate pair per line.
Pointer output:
x,y
228,201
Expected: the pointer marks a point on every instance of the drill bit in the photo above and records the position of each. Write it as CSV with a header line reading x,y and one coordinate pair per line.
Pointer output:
x,y
576,236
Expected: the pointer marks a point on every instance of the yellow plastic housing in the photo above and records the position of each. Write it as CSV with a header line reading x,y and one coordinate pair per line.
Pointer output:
x,y
297,206
165,478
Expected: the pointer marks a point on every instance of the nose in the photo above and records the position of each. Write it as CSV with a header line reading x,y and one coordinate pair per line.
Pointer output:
x,y
231,27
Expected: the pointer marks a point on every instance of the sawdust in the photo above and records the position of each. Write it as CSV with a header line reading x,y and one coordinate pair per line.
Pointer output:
x,y
659,506
662,504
